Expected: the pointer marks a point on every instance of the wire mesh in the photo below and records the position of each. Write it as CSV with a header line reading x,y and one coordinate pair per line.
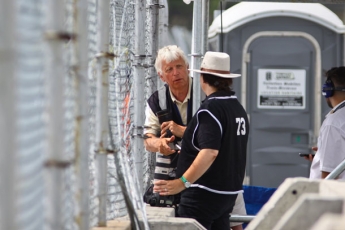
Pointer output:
x,y
94,204
122,28
68,211
31,194
30,124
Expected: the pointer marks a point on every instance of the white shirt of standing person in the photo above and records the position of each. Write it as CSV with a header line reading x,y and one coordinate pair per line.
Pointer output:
x,y
331,144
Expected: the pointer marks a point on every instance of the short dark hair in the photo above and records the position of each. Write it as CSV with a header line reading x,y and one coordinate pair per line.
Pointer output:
x,y
219,83
337,75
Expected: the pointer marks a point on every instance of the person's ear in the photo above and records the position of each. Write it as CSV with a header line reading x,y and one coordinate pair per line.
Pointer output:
x,y
161,76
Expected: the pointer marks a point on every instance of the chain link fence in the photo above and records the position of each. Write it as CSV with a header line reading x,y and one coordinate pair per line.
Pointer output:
x,y
41,187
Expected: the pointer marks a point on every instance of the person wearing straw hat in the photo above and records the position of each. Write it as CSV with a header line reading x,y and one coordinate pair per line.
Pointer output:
x,y
211,165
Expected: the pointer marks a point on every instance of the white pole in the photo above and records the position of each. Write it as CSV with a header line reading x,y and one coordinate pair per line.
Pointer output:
x,y
197,37
55,74
102,128
82,116
138,87
155,39
163,25
7,114
204,41
204,25
138,98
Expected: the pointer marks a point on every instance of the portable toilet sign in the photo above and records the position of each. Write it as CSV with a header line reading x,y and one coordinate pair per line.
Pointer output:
x,y
281,89
282,51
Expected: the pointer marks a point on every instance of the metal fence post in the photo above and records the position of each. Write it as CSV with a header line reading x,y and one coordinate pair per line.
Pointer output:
x,y
154,7
55,36
7,114
138,87
204,24
82,116
102,130
163,25
196,53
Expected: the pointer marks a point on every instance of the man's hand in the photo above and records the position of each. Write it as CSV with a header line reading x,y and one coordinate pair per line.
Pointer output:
x,y
311,156
174,128
168,187
164,147
155,144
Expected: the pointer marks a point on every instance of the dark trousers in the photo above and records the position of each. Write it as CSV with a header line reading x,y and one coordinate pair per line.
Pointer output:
x,y
210,209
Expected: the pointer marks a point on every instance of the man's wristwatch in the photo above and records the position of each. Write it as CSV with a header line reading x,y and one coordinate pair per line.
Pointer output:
x,y
185,181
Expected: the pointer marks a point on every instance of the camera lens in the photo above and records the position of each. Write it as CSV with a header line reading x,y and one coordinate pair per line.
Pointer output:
x,y
164,115
153,202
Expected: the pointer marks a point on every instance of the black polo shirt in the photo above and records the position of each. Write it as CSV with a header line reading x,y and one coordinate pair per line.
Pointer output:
x,y
221,123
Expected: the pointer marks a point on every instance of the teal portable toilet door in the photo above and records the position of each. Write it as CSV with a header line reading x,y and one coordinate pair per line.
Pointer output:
x,y
279,92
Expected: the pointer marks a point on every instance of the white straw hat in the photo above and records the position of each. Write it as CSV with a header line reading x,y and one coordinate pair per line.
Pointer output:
x,y
216,63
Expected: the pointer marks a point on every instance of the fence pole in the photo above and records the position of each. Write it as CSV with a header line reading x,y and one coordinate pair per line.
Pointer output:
x,y
196,53
138,87
55,92
7,114
82,116
204,24
163,25
155,40
102,130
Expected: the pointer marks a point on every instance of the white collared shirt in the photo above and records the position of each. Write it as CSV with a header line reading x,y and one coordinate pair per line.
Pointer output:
x,y
331,144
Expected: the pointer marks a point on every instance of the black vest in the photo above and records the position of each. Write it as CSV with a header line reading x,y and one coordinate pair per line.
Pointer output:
x,y
166,164
153,102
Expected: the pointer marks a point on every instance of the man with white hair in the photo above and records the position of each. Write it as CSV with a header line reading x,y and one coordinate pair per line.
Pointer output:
x,y
175,98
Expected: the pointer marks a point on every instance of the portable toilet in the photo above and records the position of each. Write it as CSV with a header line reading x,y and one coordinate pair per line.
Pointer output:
x,y
282,51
